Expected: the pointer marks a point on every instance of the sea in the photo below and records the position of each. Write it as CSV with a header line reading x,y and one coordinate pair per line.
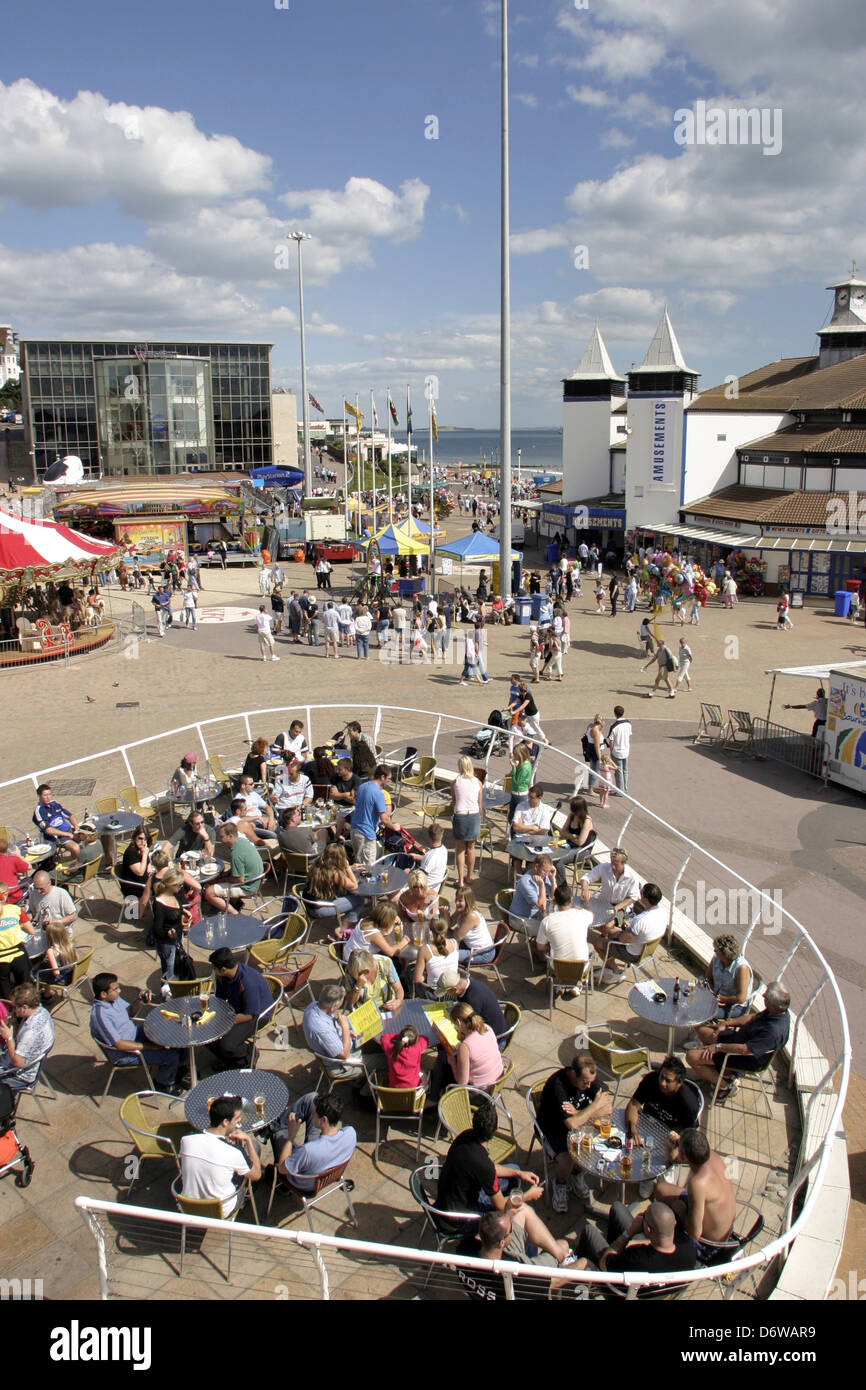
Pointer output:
x,y
540,450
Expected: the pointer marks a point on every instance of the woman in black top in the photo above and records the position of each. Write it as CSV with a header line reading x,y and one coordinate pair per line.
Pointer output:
x,y
613,591
136,869
254,766
167,919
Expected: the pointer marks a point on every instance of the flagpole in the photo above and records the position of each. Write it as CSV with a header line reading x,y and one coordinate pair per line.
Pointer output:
x,y
432,527
409,442
345,467
358,449
505,342
390,494
373,455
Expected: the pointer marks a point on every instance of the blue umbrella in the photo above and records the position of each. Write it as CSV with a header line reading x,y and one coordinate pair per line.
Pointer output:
x,y
476,548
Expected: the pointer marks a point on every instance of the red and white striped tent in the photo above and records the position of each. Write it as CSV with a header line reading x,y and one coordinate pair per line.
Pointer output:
x,y
33,551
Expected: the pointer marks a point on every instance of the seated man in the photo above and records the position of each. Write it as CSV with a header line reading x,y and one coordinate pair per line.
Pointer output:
x,y
45,902
748,1042
244,823
249,994
344,783
242,876
531,816
662,1095
502,1236
435,862
191,837
622,1251
256,809
532,892
215,1164
564,930
292,788
293,741
629,935
571,1098
620,886
705,1207
22,1047
327,1032
326,1144
55,824
113,1029
299,839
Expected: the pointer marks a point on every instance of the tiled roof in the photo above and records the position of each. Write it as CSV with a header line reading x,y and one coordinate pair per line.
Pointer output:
x,y
793,383
810,439
767,506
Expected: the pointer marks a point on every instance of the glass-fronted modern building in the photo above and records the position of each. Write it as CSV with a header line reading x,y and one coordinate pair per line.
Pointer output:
x,y
153,407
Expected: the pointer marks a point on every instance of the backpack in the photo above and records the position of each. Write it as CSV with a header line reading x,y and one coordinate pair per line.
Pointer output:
x,y
588,747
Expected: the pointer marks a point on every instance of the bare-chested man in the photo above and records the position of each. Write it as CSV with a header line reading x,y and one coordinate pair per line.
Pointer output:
x,y
705,1206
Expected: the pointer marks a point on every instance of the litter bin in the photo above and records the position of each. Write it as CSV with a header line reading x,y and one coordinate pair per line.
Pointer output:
x,y
523,609
551,553
537,601
843,603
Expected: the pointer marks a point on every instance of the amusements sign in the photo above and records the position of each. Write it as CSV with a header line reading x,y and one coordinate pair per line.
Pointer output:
x,y
663,442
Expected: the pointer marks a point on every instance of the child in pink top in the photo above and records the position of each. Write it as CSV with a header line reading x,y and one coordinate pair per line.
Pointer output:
x,y
404,1051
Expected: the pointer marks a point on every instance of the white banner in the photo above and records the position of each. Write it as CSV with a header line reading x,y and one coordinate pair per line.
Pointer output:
x,y
663,440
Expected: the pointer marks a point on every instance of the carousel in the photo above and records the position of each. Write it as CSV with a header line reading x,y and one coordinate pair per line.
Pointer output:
x,y
49,599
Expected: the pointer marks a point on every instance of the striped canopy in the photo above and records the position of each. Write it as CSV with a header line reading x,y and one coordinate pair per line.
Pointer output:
x,y
38,550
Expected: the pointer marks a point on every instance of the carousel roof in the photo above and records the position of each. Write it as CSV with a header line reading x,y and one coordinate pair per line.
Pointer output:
x,y
48,548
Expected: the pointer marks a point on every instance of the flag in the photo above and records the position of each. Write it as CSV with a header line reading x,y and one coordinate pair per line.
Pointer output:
x,y
408,412
393,410
433,420
314,403
356,414
375,413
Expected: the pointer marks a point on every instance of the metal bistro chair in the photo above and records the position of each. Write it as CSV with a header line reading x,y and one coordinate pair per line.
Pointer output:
x,y
152,1140
335,953
398,1105
516,925
185,989
716,1252
337,1071
636,963
294,973
132,800
325,1184
422,780
456,1107
513,1016
712,725
444,1225
73,882
74,985
564,975
533,1097
201,1206
736,1078
107,805
616,1056
500,941
401,766
137,1059
30,1088
266,1017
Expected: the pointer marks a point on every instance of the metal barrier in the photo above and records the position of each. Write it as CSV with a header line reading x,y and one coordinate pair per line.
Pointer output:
x,y
788,746
704,893
58,644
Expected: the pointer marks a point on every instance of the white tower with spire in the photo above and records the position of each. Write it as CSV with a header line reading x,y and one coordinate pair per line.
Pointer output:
x,y
658,392
845,335
589,396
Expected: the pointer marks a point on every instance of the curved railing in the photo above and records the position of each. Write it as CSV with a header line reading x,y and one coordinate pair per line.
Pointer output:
x,y
703,892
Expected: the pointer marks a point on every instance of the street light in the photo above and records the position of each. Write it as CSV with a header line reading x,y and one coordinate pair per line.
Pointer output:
x,y
504,336
300,238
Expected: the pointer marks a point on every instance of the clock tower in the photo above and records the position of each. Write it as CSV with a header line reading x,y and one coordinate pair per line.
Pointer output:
x,y
845,335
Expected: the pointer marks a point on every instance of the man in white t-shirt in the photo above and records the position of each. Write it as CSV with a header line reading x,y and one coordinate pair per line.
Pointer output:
x,y
331,629
629,937
344,618
435,862
531,816
565,930
263,628
619,743
620,886
210,1164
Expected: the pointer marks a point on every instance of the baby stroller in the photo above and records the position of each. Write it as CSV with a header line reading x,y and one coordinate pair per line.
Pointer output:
x,y
13,1155
490,742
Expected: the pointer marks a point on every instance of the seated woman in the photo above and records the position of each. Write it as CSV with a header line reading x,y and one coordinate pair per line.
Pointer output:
x,y
331,886
14,928
375,978
580,832
183,778
321,770
477,1060
190,890
136,869
255,762
434,958
403,1052
730,978
60,957
377,933
470,930
418,902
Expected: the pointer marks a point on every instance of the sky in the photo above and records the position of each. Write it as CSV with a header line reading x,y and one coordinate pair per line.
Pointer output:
x,y
153,159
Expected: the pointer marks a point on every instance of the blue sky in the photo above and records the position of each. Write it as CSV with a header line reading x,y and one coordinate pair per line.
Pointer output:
x,y
152,158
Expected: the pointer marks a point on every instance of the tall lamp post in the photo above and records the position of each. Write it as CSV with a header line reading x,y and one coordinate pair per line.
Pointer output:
x,y
505,342
300,238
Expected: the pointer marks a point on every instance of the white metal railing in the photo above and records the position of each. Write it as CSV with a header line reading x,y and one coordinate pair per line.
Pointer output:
x,y
823,1051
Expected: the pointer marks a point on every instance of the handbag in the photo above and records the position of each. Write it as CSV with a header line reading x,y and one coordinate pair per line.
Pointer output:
x,y
184,968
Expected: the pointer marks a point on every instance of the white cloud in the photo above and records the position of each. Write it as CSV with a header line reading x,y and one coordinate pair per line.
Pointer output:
x,y
526,60
57,153
588,96
542,239
615,139
362,208
527,99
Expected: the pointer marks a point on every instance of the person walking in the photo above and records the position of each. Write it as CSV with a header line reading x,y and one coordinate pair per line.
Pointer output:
x,y
685,660
363,625
783,607
470,660
331,628
613,594
189,607
223,552
619,743
263,628
667,663
162,607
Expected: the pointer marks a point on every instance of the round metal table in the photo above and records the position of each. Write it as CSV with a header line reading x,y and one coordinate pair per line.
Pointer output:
x,y
196,795
375,888
606,1163
494,798
247,1085
531,847
181,1032
235,930
35,854
117,823
700,1007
